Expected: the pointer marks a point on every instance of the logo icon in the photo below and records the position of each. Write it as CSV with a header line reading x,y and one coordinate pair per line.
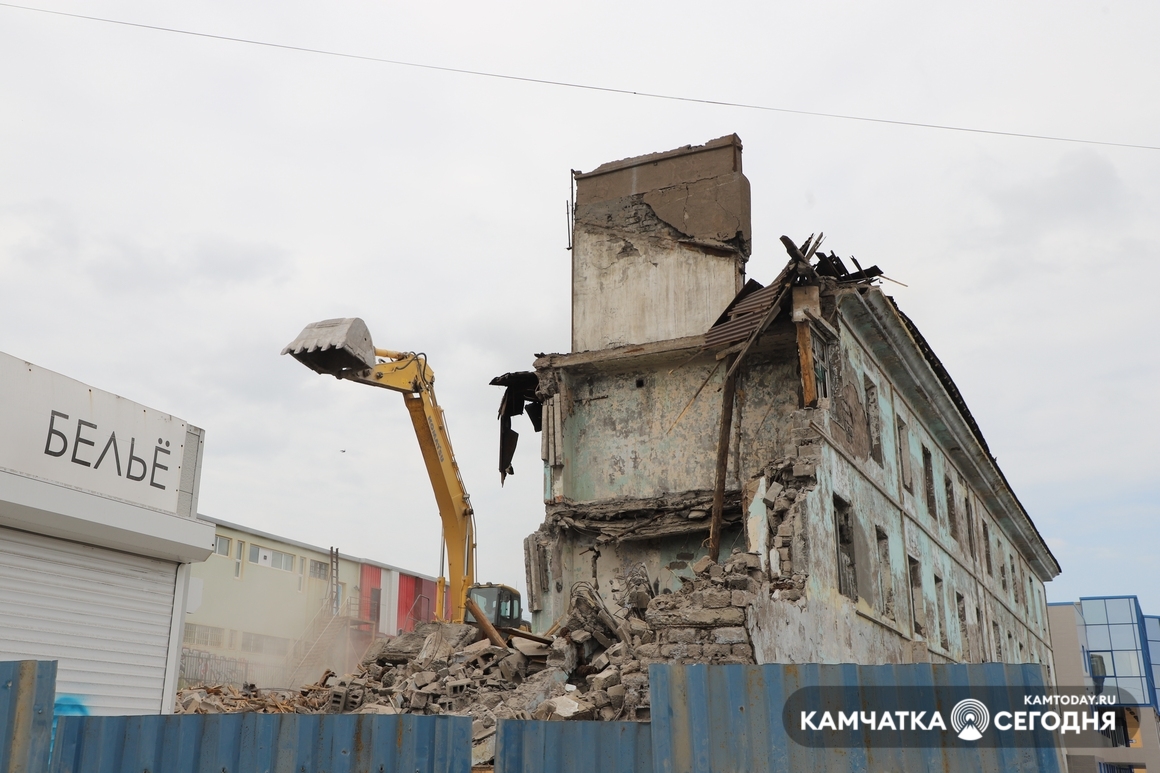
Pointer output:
x,y
970,718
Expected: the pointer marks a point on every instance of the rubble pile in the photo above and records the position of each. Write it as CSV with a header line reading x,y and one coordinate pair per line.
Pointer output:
x,y
592,665
704,622
227,699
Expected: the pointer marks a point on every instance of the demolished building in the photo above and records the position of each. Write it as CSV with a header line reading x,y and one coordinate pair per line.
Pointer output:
x,y
734,474
807,424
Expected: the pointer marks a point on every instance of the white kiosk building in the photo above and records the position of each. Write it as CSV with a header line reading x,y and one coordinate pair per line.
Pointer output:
x,y
98,526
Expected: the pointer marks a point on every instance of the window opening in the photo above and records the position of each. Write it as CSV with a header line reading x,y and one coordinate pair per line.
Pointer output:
x,y
885,574
952,516
961,608
283,561
987,549
928,483
820,351
969,515
904,457
873,419
917,608
203,635
844,527
1014,579
940,602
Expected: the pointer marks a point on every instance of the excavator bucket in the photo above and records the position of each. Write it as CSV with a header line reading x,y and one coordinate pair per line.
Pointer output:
x,y
334,346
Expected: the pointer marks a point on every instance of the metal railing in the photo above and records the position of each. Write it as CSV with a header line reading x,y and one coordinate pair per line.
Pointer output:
x,y
199,668
410,621
321,628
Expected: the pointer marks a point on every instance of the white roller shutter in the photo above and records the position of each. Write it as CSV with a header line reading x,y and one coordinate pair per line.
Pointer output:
x,y
104,615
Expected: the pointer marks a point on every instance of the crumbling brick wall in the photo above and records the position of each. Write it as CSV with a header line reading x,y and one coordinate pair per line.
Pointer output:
x,y
705,621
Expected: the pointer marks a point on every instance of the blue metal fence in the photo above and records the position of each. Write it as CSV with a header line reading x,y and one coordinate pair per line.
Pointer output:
x,y
719,719
27,691
530,746
263,743
729,719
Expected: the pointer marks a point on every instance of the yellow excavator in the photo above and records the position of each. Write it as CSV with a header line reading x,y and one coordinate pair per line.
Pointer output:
x,y
342,348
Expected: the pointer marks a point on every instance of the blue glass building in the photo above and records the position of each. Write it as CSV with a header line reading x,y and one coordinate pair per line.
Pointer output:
x,y
1122,649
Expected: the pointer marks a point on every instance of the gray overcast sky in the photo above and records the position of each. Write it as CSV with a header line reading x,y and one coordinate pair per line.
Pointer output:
x,y
174,209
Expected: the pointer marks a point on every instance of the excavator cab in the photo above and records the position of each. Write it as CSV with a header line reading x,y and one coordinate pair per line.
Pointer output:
x,y
500,603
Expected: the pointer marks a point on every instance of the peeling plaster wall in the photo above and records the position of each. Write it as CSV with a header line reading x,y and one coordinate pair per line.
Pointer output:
x,y
824,625
631,287
622,436
617,444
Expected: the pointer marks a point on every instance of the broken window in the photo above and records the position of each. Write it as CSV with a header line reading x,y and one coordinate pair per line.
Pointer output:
x,y
844,528
928,483
979,633
821,353
319,570
952,516
961,608
904,457
1033,594
873,419
1003,574
998,636
940,602
917,610
885,575
969,516
987,549
1014,579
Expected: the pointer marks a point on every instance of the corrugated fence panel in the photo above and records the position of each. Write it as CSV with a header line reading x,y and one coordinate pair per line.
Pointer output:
x,y
263,743
530,746
27,692
533,746
729,719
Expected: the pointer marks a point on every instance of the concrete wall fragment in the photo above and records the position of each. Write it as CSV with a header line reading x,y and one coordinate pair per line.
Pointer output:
x,y
659,245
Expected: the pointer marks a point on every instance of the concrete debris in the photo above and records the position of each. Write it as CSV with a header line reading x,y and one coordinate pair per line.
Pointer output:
x,y
227,699
596,667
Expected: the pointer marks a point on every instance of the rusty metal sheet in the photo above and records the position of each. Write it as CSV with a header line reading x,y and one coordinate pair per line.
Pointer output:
x,y
263,743
728,719
746,311
528,746
27,691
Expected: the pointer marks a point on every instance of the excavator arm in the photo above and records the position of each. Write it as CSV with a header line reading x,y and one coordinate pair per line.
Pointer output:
x,y
343,348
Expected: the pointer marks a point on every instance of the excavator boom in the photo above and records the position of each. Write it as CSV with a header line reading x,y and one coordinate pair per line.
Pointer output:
x,y
342,348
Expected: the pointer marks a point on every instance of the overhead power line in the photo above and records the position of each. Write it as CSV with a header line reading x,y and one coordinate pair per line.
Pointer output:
x,y
584,86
